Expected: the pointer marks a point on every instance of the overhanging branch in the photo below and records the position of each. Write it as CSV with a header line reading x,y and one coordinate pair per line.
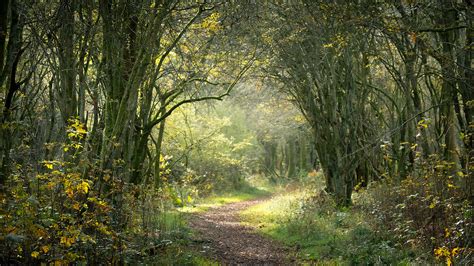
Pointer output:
x,y
220,97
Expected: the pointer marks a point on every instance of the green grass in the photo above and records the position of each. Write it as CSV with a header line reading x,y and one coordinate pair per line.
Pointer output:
x,y
268,215
245,192
182,250
323,234
178,254
172,245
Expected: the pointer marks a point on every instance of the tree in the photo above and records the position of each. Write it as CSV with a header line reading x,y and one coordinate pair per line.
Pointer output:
x,y
321,63
12,19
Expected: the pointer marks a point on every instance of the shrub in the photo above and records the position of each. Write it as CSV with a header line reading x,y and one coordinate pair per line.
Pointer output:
x,y
429,210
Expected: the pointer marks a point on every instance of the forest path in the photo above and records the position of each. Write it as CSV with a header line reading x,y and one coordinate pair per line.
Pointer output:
x,y
231,243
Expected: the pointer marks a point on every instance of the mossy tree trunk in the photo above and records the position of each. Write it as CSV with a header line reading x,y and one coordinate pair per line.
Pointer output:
x,y
291,159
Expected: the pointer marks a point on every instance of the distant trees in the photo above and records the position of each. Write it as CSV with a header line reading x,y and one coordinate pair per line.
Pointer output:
x,y
281,131
213,148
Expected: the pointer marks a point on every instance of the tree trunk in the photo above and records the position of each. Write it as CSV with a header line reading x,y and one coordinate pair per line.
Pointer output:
x,y
4,6
159,141
291,159
448,89
8,74
67,92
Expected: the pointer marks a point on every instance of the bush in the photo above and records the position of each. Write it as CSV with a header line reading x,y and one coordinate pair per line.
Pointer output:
x,y
68,211
428,210
56,216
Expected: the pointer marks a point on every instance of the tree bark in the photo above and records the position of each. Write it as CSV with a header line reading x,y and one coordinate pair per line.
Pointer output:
x,y
8,74
159,141
67,66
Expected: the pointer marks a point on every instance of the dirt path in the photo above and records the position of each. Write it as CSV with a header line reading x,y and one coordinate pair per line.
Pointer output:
x,y
232,243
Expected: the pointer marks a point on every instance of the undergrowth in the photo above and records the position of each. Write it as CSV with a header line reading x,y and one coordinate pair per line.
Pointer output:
x,y
170,248
174,242
320,233
431,210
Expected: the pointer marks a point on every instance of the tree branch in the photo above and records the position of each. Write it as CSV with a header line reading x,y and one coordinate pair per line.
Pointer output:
x,y
178,38
157,120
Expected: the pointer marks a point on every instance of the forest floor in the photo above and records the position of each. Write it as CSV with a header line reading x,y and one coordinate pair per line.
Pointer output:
x,y
282,227
229,242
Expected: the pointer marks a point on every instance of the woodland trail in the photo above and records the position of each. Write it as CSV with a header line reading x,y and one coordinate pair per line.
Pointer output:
x,y
231,243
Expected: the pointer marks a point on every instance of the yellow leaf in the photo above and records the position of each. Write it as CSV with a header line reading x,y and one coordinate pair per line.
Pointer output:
x,y
45,249
422,123
76,145
48,165
81,130
84,187
446,232
69,192
55,172
76,129
35,254
50,185
456,251
42,177
40,232
211,23
448,261
438,252
67,241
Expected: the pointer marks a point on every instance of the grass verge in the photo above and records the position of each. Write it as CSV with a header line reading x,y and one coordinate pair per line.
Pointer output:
x,y
245,192
319,233
171,244
175,245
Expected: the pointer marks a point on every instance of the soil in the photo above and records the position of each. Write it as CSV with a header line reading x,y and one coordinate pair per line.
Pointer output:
x,y
224,239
